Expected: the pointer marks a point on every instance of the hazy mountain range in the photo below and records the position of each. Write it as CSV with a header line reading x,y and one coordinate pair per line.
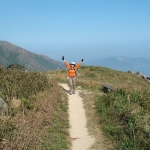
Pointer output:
x,y
124,63
10,54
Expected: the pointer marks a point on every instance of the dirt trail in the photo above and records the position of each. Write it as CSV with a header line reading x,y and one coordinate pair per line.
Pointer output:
x,y
78,131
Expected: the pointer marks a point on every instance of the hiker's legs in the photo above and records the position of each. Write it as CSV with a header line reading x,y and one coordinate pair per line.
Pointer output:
x,y
74,83
71,84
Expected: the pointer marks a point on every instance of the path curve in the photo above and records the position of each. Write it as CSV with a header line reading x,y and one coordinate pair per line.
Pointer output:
x,y
77,118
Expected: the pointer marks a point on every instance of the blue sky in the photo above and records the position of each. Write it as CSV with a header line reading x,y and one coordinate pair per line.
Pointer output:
x,y
88,29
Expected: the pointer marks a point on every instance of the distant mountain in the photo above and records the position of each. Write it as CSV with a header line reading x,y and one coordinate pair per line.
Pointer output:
x,y
123,63
10,54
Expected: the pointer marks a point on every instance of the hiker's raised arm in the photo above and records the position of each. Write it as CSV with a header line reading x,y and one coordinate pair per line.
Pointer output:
x,y
63,58
65,62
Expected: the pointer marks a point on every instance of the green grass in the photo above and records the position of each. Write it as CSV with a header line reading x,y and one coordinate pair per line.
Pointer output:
x,y
124,114
58,135
93,77
122,118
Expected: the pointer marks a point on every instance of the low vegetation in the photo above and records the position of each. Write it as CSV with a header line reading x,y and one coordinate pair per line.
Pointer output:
x,y
38,109
93,77
124,114
38,116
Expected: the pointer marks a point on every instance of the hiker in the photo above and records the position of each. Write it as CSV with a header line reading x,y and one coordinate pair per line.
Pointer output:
x,y
72,67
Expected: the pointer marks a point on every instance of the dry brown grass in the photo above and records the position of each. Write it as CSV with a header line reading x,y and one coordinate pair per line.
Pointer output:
x,y
15,103
37,128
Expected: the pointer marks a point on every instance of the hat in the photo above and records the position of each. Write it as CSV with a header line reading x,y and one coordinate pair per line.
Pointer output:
x,y
72,63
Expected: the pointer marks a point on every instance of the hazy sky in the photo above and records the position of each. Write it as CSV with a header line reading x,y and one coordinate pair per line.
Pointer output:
x,y
88,29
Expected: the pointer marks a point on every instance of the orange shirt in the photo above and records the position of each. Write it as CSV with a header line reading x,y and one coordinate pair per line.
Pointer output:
x,y
72,71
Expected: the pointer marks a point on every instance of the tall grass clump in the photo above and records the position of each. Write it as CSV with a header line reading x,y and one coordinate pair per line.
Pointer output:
x,y
124,116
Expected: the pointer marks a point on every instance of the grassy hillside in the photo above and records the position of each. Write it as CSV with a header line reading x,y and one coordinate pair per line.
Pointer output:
x,y
93,77
38,117
124,114
38,109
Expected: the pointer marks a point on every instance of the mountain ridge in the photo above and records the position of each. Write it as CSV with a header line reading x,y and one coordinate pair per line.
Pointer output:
x,y
124,63
10,54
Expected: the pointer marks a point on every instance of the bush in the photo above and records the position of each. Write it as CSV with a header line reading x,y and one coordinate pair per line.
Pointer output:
x,y
21,85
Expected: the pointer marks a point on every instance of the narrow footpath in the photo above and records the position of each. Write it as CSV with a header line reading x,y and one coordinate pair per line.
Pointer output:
x,y
77,118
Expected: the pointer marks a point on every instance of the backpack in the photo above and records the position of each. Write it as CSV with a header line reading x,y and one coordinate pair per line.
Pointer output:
x,y
74,70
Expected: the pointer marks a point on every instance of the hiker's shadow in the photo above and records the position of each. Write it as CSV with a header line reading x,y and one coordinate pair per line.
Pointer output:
x,y
67,91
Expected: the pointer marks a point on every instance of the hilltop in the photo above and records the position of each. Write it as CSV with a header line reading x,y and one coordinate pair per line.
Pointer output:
x,y
10,54
41,121
93,77
120,118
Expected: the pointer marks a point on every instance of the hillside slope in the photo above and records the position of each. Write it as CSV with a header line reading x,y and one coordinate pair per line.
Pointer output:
x,y
37,112
10,54
123,115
